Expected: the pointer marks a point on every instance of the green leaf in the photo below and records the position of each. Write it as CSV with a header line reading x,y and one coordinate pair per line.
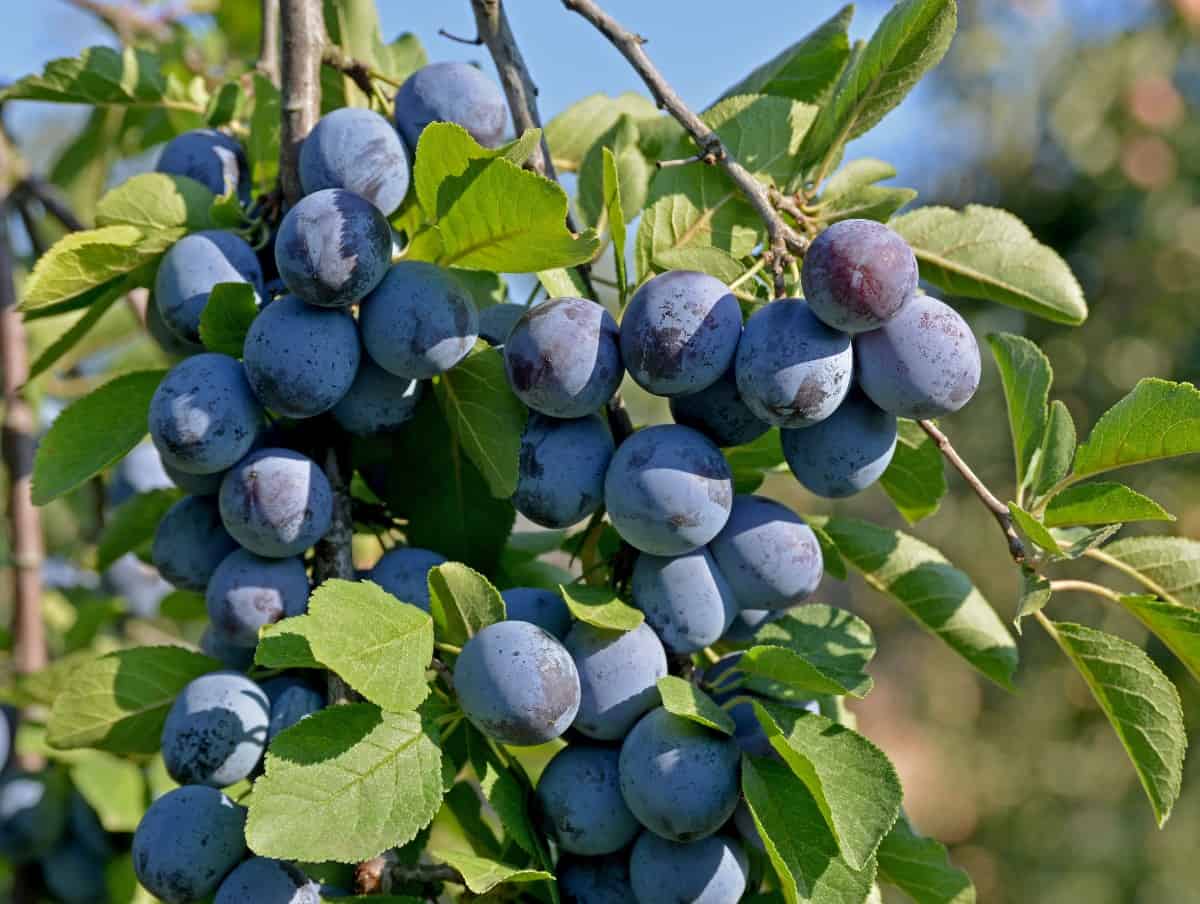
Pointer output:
x,y
562,283
114,787
119,701
938,595
1026,375
852,781
485,417
152,202
915,479
921,868
868,202
1158,419
262,150
283,645
832,640
506,789
465,805
1168,566
1140,702
463,602
1102,502
632,171
482,875
857,174
133,524
782,665
1176,626
985,253
600,607
183,605
806,70
222,106
86,260
1034,594
93,433
572,132
751,462
702,258
686,700
448,151
616,221
910,41
226,318
376,775
1057,450
98,76
54,352
835,565
1034,529
797,839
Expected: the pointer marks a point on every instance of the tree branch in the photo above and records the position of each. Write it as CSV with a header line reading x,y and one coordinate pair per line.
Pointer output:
x,y
268,47
54,203
129,20
782,240
303,33
383,874
999,510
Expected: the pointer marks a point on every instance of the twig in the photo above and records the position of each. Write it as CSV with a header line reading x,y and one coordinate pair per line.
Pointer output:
x,y
268,47
356,70
129,20
471,42
303,32
782,239
687,161
999,510
380,875
1065,586
48,196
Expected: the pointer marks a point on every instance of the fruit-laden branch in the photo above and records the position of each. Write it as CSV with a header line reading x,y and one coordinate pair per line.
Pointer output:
x,y
783,240
999,510
303,34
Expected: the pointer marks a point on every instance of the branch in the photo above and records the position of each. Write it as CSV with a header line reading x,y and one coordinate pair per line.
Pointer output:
x,y
303,32
129,20
999,510
268,47
382,874
363,76
783,241
1099,590
52,200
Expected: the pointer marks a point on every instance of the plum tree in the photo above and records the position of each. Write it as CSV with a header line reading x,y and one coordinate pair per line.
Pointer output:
x,y
544,608
713,870
191,542
360,151
187,842
210,157
668,490
190,270
266,881
679,778
216,730
594,880
285,342
923,363
846,452
769,556
858,274
204,416
276,503
564,358
33,813
686,599
561,468
292,699
618,677
680,332
451,92
247,591
719,412
377,402
404,573
517,684
74,874
580,797
419,321
333,248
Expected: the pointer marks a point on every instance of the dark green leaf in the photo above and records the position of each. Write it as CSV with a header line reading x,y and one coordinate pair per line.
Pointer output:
x,y
915,479
921,868
1168,566
686,700
1158,419
133,524
1034,529
1102,502
226,318
1026,375
616,221
834,641
1057,450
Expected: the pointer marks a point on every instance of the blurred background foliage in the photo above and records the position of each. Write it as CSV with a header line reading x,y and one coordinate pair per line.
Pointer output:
x,y
1080,117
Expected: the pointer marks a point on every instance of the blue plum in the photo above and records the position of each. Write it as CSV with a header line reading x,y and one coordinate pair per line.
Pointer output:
x,y
680,332
544,608
846,452
618,677
239,659
247,592
266,881
419,321
679,778
595,880
213,159
719,413
276,503
923,363
517,684
187,842
668,490
580,796
333,248
195,484
858,274
291,699
33,813
404,573
498,320
204,416
358,150
560,475
685,598
377,402
174,345
792,369
191,268
190,542
451,92
713,870
75,875
216,730
301,360
563,357
769,556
